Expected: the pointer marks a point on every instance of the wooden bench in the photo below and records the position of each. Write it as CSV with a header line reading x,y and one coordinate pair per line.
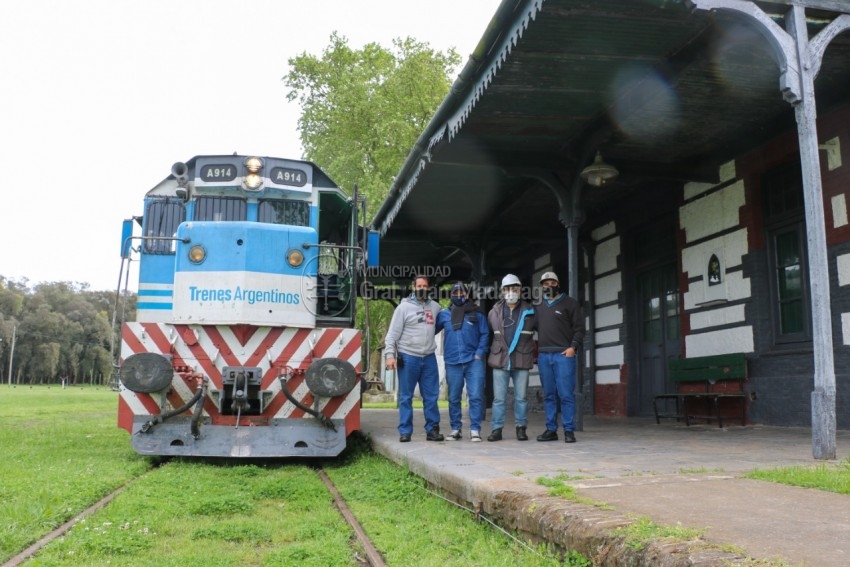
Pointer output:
x,y
703,383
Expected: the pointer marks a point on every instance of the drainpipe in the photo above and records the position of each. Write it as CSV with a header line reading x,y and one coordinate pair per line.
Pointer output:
x,y
589,339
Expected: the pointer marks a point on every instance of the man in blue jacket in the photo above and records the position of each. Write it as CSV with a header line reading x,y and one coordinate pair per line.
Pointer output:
x,y
465,338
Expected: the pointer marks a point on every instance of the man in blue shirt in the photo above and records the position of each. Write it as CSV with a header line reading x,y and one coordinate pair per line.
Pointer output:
x,y
465,338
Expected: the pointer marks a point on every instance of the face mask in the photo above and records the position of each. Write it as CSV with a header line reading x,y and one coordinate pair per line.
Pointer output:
x,y
459,300
420,294
551,291
511,296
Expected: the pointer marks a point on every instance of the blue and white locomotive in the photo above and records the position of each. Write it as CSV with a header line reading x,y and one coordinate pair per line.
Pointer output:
x,y
244,343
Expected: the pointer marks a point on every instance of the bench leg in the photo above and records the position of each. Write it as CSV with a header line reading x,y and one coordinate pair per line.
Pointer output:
x,y
717,412
743,411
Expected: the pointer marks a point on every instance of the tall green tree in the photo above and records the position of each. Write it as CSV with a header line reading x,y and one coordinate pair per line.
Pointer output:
x,y
362,110
61,329
361,113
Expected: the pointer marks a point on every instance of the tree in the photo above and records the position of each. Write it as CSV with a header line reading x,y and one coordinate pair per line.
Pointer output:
x,y
62,330
362,111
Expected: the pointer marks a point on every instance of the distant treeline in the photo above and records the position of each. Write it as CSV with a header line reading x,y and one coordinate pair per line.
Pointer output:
x,y
59,331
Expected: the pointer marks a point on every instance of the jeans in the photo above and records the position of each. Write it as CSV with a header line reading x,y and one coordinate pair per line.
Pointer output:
x,y
558,378
472,373
501,377
420,370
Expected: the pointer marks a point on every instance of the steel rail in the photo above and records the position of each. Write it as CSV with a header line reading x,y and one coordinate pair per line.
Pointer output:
x,y
372,554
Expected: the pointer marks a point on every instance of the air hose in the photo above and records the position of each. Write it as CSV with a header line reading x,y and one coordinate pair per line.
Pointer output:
x,y
198,414
163,416
323,419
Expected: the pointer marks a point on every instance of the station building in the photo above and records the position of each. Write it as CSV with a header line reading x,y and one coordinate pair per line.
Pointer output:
x,y
683,165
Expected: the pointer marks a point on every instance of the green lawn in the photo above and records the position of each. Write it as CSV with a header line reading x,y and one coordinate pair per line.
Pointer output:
x,y
61,452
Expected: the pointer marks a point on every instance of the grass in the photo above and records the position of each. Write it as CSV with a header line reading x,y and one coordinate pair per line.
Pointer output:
x,y
191,513
61,453
641,532
64,452
413,528
828,477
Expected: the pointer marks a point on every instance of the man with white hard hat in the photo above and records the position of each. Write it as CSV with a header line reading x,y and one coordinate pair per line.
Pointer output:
x,y
560,331
511,356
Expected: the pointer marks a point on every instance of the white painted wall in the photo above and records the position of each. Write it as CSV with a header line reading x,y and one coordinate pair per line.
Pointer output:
x,y
700,219
739,339
606,290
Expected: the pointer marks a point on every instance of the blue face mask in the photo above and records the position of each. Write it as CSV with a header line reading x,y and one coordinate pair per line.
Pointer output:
x,y
459,300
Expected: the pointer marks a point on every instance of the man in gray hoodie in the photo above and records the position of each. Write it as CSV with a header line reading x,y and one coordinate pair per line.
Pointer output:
x,y
409,347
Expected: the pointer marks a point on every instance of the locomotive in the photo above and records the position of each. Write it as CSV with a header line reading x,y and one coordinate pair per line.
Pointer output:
x,y
244,343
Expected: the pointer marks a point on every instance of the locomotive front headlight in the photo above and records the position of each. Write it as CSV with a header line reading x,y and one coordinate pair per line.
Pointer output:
x,y
254,179
197,254
254,164
294,257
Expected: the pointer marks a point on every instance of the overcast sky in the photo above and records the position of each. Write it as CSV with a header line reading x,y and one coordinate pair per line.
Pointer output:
x,y
100,97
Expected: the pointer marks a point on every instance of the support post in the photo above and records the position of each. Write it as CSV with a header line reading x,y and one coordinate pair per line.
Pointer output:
x,y
823,396
799,62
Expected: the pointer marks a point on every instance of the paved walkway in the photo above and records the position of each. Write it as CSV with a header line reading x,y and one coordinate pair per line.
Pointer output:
x,y
671,473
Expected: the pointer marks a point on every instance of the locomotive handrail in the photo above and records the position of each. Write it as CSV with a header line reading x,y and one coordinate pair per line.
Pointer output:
x,y
342,246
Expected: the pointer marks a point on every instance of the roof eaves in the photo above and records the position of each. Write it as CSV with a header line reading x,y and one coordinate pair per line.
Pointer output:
x,y
502,35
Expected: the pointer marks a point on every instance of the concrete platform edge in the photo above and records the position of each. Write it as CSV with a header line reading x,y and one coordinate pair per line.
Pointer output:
x,y
517,506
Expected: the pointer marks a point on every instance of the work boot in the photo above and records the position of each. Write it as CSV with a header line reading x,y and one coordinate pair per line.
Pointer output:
x,y
434,435
520,433
495,435
548,435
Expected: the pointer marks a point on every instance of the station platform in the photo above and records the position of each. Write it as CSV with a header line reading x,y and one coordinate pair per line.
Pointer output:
x,y
670,473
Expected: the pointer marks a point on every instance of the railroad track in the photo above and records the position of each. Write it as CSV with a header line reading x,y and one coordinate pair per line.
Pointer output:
x,y
373,556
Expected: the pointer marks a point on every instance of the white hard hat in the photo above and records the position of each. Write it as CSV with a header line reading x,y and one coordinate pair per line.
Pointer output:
x,y
549,276
509,280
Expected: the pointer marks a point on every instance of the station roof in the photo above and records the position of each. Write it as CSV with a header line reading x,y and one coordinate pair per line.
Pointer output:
x,y
665,93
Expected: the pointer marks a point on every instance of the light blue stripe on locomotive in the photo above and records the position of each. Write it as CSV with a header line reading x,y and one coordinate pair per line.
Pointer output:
x,y
155,300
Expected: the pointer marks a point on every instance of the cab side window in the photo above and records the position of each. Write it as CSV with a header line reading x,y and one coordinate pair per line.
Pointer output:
x,y
162,218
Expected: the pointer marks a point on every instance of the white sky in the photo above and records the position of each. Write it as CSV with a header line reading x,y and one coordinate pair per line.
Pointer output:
x,y
98,98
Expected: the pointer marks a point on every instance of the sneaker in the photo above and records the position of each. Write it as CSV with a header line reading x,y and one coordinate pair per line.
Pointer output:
x,y
455,435
404,438
548,435
495,435
434,435
475,436
569,437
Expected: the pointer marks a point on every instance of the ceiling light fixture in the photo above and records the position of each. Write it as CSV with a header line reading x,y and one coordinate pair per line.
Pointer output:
x,y
599,173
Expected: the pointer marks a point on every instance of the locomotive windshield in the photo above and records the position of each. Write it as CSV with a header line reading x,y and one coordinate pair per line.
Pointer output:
x,y
220,209
289,211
